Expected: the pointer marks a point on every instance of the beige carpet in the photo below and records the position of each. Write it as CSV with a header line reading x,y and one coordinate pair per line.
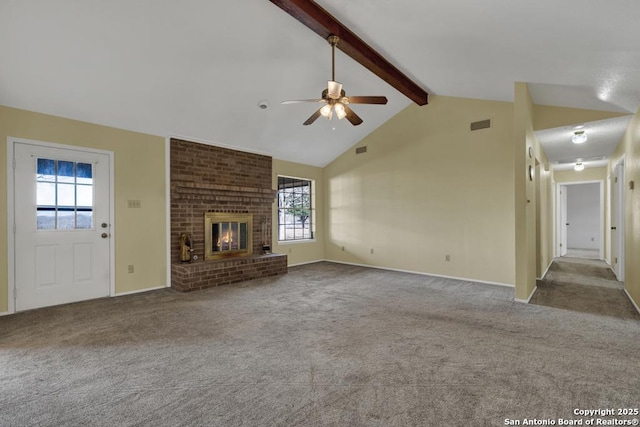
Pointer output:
x,y
326,344
584,285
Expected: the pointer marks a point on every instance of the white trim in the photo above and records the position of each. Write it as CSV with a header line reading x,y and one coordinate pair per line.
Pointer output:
x,y
632,301
5,313
545,272
526,301
218,144
307,263
295,242
112,220
139,291
485,282
621,220
167,195
11,267
11,141
602,208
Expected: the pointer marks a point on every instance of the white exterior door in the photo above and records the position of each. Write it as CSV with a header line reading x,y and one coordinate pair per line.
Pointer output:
x,y
62,225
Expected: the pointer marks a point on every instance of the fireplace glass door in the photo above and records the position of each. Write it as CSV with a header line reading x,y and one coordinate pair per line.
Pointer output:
x,y
227,234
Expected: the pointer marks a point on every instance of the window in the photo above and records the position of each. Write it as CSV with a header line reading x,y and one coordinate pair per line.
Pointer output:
x,y
64,195
295,209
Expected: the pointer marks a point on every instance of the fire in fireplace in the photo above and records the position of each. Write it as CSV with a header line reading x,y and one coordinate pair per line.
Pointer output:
x,y
227,234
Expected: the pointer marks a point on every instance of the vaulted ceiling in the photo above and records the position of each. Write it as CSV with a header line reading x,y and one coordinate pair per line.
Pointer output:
x,y
199,68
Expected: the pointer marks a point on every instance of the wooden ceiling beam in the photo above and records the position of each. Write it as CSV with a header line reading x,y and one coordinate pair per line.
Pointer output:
x,y
324,24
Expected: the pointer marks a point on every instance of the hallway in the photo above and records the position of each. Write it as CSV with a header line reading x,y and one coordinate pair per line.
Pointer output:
x,y
584,285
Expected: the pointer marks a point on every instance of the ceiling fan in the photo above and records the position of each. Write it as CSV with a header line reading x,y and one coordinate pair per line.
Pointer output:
x,y
334,98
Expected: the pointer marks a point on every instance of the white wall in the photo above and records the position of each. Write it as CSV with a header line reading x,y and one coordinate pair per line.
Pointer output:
x,y
583,216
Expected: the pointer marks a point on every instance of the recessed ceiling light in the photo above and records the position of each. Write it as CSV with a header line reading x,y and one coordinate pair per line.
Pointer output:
x,y
579,137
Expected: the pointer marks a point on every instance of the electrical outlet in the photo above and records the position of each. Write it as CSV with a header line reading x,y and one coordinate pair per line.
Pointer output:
x,y
447,258
371,251
343,249
130,267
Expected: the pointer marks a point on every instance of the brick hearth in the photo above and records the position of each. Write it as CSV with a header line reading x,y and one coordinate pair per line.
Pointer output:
x,y
205,178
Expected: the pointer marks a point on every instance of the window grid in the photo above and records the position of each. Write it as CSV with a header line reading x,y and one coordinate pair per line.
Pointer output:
x,y
64,195
295,209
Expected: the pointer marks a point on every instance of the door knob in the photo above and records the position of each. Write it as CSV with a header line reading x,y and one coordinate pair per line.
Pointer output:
x,y
104,225
104,235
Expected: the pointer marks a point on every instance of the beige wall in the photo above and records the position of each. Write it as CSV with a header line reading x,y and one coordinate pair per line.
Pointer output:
x,y
547,116
525,193
629,147
428,187
301,252
139,165
589,174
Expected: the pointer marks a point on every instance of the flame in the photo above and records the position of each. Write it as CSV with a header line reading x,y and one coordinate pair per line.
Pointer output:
x,y
226,238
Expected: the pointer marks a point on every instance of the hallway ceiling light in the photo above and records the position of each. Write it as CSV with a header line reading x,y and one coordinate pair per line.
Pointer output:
x,y
579,137
579,166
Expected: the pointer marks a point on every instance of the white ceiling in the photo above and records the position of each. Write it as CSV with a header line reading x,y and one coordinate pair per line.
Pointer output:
x,y
603,136
199,68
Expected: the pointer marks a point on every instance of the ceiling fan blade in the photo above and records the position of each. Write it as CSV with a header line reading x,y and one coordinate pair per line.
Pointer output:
x,y
313,118
335,89
367,100
352,117
297,101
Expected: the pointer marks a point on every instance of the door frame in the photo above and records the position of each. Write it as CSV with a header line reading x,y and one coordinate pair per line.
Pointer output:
x,y
619,208
559,185
11,261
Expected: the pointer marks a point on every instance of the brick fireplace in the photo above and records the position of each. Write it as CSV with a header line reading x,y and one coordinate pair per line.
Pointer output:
x,y
233,188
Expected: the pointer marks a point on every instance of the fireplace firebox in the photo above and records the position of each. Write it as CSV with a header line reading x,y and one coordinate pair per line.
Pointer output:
x,y
227,234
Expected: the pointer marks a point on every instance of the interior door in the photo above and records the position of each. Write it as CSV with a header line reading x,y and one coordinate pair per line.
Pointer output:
x,y
563,220
62,232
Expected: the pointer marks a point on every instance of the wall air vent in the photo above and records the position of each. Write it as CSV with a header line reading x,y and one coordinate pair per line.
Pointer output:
x,y
482,124
360,150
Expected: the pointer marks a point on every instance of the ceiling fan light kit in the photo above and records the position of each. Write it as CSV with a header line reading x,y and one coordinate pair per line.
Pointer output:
x,y
335,99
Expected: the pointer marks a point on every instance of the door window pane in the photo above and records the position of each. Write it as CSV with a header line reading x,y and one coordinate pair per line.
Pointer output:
x,y
66,171
46,193
46,220
46,170
84,195
64,195
66,220
84,173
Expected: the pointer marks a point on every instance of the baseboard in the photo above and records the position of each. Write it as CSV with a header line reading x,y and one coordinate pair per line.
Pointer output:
x,y
485,282
121,294
632,301
546,271
5,313
526,301
307,263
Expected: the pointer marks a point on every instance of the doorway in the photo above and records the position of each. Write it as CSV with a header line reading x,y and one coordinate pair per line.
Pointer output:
x,y
60,212
580,220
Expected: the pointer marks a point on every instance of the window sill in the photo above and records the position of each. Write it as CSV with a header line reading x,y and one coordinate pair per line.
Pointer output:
x,y
295,242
